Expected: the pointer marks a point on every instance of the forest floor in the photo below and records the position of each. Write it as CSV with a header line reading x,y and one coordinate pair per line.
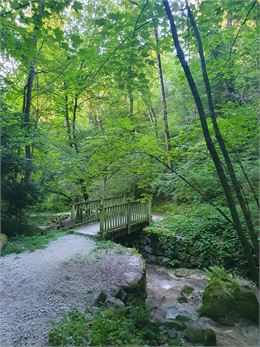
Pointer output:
x,y
38,287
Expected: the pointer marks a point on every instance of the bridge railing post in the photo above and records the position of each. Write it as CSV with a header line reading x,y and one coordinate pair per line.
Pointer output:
x,y
128,217
102,219
73,215
150,211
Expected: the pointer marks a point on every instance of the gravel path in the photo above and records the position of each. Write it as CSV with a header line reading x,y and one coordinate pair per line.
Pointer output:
x,y
37,287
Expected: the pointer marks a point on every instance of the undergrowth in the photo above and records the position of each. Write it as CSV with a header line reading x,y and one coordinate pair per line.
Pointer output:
x,y
202,236
111,327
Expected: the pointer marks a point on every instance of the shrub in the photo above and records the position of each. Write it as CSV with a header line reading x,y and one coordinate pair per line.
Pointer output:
x,y
121,326
201,233
72,330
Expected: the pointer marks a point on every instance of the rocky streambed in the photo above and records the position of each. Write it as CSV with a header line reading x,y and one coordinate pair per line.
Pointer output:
x,y
177,295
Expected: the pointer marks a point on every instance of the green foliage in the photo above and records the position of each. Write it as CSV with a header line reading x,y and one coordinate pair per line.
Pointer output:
x,y
220,273
111,327
201,233
72,330
227,301
21,243
96,126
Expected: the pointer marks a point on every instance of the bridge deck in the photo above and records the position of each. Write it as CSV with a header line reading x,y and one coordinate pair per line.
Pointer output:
x,y
93,228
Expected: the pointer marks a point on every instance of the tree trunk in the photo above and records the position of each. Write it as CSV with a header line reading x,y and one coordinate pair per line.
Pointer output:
x,y
155,122
165,111
221,142
26,120
69,132
210,145
27,103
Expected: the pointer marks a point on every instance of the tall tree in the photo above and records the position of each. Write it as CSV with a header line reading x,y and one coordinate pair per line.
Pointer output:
x,y
219,137
163,95
210,145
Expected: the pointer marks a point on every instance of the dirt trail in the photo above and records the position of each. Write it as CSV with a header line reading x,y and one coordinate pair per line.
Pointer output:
x,y
37,287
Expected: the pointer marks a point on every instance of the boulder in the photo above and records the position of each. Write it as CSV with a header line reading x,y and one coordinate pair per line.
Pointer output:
x,y
170,324
182,272
228,301
135,289
183,318
114,302
99,298
118,293
148,249
3,241
207,336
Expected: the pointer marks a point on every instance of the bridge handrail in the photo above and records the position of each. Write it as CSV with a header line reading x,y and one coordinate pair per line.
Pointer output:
x,y
112,213
125,214
89,211
99,200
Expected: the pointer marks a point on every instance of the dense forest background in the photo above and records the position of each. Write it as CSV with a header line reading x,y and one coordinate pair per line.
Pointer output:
x,y
96,103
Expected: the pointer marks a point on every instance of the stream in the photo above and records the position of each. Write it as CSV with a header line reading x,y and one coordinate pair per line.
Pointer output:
x,y
164,290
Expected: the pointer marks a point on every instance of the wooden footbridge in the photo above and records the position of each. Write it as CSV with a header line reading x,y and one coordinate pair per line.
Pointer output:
x,y
111,218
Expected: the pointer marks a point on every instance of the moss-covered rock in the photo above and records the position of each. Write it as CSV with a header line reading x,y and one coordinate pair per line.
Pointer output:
x,y
99,298
207,337
135,288
170,324
228,301
187,290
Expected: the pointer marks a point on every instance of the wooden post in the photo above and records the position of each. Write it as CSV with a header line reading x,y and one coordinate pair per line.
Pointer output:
x,y
150,211
102,219
73,215
128,217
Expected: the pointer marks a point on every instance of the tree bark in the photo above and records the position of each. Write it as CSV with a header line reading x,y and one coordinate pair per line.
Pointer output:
x,y
163,95
66,105
26,120
221,142
210,145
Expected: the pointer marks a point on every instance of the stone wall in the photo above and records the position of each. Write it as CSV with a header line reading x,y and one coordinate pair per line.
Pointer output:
x,y
174,251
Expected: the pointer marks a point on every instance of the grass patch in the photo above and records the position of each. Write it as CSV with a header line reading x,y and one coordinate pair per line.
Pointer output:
x,y
22,243
169,207
107,245
127,326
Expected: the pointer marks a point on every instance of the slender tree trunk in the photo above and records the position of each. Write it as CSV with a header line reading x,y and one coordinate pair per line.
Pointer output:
x,y
163,95
27,103
75,108
71,131
155,122
67,118
26,119
221,142
210,145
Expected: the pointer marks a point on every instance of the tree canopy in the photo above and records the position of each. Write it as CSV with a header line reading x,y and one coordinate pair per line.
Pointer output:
x,y
130,98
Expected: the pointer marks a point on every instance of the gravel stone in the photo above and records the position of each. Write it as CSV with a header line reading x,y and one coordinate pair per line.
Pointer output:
x,y
37,287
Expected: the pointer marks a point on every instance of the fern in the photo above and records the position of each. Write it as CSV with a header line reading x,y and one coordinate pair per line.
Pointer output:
x,y
220,273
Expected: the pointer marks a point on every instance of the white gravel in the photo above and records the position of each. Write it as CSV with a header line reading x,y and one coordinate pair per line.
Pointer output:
x,y
37,287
